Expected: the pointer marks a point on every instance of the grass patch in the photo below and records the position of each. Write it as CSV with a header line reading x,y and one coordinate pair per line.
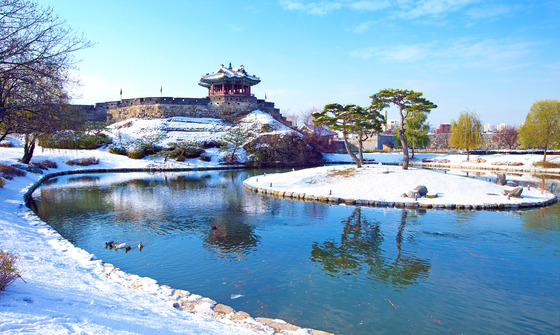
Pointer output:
x,y
547,165
344,173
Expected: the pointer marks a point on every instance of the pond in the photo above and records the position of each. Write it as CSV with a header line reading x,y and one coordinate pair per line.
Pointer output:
x,y
337,268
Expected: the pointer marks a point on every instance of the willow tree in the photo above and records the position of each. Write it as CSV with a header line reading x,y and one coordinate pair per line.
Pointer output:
x,y
416,132
409,104
542,126
466,132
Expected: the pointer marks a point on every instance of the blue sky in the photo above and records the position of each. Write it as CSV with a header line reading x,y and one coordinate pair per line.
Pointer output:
x,y
494,57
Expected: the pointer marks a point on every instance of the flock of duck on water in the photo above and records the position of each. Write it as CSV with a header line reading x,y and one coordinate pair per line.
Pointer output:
x,y
116,246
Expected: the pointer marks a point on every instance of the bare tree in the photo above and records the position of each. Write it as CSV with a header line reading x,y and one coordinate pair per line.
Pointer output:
x,y
506,137
36,53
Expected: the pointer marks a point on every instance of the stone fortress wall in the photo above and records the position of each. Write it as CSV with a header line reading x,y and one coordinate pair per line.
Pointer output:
x,y
226,107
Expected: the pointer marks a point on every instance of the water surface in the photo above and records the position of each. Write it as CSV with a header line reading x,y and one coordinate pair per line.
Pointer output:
x,y
337,268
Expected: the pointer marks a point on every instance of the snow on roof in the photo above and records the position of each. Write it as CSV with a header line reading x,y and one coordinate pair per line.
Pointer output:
x,y
223,73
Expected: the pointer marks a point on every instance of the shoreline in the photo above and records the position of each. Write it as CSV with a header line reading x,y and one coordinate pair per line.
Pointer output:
x,y
41,263
311,189
179,299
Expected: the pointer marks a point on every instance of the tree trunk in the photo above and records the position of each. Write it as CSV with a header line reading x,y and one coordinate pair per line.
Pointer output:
x,y
28,148
544,157
412,152
404,148
360,149
356,160
468,154
4,135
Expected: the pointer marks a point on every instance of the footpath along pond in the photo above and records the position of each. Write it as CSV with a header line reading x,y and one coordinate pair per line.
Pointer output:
x,y
337,268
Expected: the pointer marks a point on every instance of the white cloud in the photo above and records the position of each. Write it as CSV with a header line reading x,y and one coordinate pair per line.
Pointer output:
x,y
489,11
401,9
492,54
399,53
369,5
325,7
362,27
365,53
432,8
315,8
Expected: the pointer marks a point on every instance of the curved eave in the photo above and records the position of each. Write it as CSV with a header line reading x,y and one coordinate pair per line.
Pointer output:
x,y
207,82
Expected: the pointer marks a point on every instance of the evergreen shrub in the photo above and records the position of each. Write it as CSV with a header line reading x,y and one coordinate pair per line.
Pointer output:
x,y
205,157
117,149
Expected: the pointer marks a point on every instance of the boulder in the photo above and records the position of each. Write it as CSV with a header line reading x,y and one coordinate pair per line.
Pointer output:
x,y
515,192
421,189
413,194
223,309
501,179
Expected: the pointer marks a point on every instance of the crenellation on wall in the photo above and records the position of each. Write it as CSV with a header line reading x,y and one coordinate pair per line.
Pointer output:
x,y
225,107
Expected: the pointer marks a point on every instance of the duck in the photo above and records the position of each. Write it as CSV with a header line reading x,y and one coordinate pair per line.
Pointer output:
x,y
118,246
214,228
127,248
140,246
109,244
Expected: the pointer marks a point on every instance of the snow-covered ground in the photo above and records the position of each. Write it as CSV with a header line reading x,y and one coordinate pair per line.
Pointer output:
x,y
389,183
521,161
187,129
66,290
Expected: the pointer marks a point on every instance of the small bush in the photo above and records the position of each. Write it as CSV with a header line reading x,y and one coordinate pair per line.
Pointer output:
x,y
9,172
83,161
205,157
117,149
210,144
45,165
182,151
49,164
74,140
6,144
8,270
2,182
136,153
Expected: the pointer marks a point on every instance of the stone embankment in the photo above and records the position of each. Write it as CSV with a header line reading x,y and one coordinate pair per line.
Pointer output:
x,y
194,303
398,204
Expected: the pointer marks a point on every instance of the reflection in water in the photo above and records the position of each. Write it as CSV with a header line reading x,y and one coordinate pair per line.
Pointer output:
x,y
360,245
343,269
539,220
